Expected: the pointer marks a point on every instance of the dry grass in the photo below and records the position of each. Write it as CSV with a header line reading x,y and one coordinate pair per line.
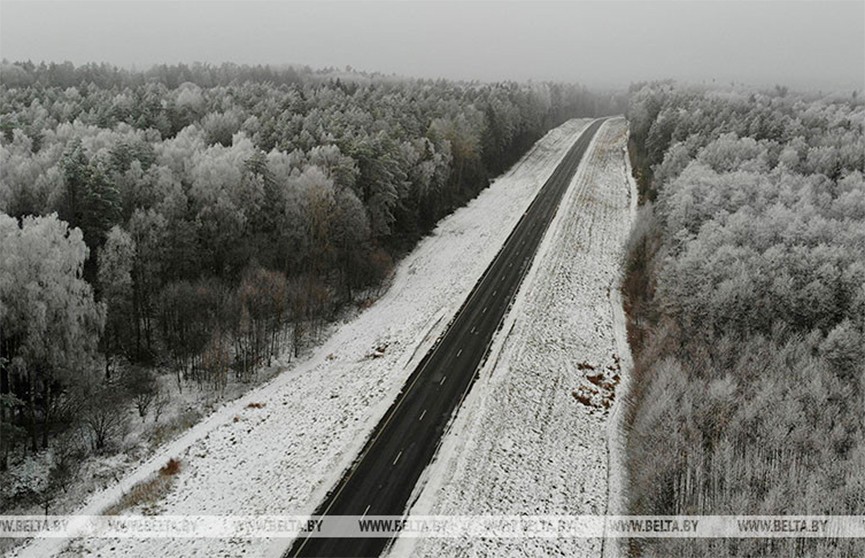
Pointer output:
x,y
164,433
147,492
171,468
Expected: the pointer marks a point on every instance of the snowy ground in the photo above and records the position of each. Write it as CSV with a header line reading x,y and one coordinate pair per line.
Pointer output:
x,y
282,456
531,437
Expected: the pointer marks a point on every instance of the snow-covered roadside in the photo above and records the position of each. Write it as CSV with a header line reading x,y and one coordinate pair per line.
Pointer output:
x,y
522,443
616,471
283,456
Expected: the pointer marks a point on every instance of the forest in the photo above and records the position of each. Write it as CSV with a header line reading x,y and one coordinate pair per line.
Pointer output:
x,y
745,289
173,230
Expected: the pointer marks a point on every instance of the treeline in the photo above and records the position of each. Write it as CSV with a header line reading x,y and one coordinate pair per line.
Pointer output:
x,y
207,218
745,289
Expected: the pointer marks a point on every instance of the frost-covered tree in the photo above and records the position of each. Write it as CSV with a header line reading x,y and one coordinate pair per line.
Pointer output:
x,y
181,179
50,322
147,230
114,281
745,287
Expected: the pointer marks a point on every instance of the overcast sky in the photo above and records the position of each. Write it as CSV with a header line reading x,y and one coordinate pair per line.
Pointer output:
x,y
801,44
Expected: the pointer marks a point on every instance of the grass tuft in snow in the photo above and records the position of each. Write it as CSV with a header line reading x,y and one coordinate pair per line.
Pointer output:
x,y
147,492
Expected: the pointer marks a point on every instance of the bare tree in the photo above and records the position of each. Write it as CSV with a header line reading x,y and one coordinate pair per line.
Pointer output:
x,y
143,388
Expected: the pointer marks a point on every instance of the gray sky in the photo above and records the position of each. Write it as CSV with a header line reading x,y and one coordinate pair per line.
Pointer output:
x,y
801,44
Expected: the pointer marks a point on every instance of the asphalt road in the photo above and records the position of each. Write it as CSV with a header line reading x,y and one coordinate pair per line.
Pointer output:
x,y
382,479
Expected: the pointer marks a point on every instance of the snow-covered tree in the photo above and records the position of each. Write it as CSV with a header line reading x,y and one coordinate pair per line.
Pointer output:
x,y
50,322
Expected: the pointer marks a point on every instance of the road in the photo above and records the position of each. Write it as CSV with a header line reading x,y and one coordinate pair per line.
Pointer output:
x,y
382,479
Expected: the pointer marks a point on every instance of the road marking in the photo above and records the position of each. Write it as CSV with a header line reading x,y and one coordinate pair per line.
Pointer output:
x,y
397,457
366,510
494,293
473,329
583,141
441,383
422,415
459,352
484,311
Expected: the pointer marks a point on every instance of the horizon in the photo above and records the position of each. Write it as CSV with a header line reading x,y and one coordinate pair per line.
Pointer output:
x,y
806,46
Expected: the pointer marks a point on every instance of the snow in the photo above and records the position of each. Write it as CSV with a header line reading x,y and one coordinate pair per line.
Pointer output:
x,y
522,444
283,456
616,503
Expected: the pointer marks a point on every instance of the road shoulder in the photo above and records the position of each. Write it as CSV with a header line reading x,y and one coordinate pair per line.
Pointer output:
x,y
522,443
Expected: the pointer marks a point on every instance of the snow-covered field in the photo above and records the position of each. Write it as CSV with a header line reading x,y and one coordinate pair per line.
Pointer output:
x,y
282,455
523,442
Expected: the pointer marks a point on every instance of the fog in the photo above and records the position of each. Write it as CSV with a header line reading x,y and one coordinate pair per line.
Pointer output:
x,y
805,45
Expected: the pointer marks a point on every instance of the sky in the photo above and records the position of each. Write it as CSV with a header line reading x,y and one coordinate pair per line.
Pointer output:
x,y
801,44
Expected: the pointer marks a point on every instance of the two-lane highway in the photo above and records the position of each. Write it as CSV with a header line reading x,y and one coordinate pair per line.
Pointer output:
x,y
381,480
